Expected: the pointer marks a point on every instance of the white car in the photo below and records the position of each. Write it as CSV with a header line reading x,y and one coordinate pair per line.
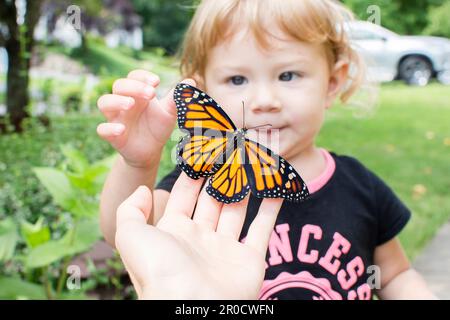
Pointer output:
x,y
389,56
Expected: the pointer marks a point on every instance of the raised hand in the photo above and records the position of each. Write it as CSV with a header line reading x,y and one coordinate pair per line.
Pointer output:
x,y
138,124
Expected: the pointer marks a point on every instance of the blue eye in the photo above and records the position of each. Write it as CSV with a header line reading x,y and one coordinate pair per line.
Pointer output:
x,y
287,76
238,80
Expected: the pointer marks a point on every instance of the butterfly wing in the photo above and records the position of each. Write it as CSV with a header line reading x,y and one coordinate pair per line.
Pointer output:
x,y
230,182
196,109
197,154
271,176
209,130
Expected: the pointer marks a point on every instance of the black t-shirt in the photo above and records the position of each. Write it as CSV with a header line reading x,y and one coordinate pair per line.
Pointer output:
x,y
323,248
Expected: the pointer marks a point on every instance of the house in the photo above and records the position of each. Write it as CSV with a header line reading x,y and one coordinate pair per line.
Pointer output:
x,y
61,28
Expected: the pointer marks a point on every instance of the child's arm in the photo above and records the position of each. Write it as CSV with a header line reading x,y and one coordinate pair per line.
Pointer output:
x,y
398,280
121,182
138,125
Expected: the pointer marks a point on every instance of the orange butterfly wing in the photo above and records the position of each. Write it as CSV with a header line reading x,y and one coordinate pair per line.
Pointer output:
x,y
196,155
209,130
271,176
249,166
230,182
196,109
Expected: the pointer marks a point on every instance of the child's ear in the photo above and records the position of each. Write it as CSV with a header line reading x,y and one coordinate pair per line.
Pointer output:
x,y
338,78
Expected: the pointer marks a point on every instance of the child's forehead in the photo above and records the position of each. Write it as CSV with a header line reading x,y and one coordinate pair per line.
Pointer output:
x,y
278,46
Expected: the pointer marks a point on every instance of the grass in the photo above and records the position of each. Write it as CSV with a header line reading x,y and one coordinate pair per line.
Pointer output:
x,y
118,62
407,143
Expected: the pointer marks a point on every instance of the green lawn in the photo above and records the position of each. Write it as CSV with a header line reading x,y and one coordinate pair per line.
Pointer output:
x,y
117,62
407,143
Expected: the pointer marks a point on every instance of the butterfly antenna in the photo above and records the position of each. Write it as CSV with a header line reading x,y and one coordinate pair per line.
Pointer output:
x,y
243,114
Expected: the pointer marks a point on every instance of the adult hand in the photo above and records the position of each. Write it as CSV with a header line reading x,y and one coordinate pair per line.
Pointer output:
x,y
194,255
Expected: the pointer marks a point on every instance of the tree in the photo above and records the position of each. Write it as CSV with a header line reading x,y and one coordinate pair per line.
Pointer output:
x,y
90,10
17,36
438,21
164,21
402,16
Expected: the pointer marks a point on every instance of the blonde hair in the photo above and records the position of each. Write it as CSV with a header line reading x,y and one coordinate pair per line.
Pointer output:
x,y
313,21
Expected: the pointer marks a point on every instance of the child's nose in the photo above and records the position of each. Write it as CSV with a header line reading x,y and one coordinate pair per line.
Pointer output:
x,y
264,100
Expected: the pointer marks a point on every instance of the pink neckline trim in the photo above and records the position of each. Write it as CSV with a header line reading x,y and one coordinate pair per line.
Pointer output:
x,y
317,183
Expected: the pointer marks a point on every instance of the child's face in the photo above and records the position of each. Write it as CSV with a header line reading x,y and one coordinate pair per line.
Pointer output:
x,y
288,87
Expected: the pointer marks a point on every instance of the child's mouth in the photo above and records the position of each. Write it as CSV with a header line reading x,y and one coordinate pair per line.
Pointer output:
x,y
268,136
269,130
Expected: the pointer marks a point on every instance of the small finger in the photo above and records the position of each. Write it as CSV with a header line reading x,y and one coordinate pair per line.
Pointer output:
x,y
168,103
109,131
110,104
260,230
144,76
134,88
184,196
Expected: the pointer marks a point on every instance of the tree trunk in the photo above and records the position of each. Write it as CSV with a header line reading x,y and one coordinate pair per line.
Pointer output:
x,y
17,80
19,46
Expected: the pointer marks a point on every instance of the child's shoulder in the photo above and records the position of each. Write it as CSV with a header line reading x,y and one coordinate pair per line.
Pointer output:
x,y
349,165
347,161
353,170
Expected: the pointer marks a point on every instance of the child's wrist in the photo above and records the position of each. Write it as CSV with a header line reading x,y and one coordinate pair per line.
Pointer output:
x,y
144,165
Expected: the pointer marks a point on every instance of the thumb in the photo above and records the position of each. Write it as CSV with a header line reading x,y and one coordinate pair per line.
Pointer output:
x,y
168,103
135,209
131,220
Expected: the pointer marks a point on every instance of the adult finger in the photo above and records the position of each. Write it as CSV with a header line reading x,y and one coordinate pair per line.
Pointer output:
x,y
260,230
207,211
135,209
232,218
132,232
184,196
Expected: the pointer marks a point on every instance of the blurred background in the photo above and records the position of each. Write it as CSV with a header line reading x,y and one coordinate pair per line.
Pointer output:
x,y
57,57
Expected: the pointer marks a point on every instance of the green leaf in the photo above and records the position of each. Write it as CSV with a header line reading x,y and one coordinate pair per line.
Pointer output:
x,y
108,161
76,160
35,234
76,240
91,180
16,288
8,239
85,208
58,185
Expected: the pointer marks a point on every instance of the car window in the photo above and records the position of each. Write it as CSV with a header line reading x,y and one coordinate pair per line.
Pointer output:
x,y
361,34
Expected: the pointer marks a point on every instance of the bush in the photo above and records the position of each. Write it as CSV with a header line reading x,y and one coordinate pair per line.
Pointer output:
x,y
439,21
72,97
21,194
40,268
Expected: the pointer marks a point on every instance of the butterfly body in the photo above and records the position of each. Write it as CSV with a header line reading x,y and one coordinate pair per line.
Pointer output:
x,y
215,148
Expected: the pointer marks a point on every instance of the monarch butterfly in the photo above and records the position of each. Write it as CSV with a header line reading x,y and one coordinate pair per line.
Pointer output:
x,y
215,148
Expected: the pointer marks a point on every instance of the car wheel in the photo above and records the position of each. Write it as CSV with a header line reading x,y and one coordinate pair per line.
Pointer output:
x,y
416,70
444,77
